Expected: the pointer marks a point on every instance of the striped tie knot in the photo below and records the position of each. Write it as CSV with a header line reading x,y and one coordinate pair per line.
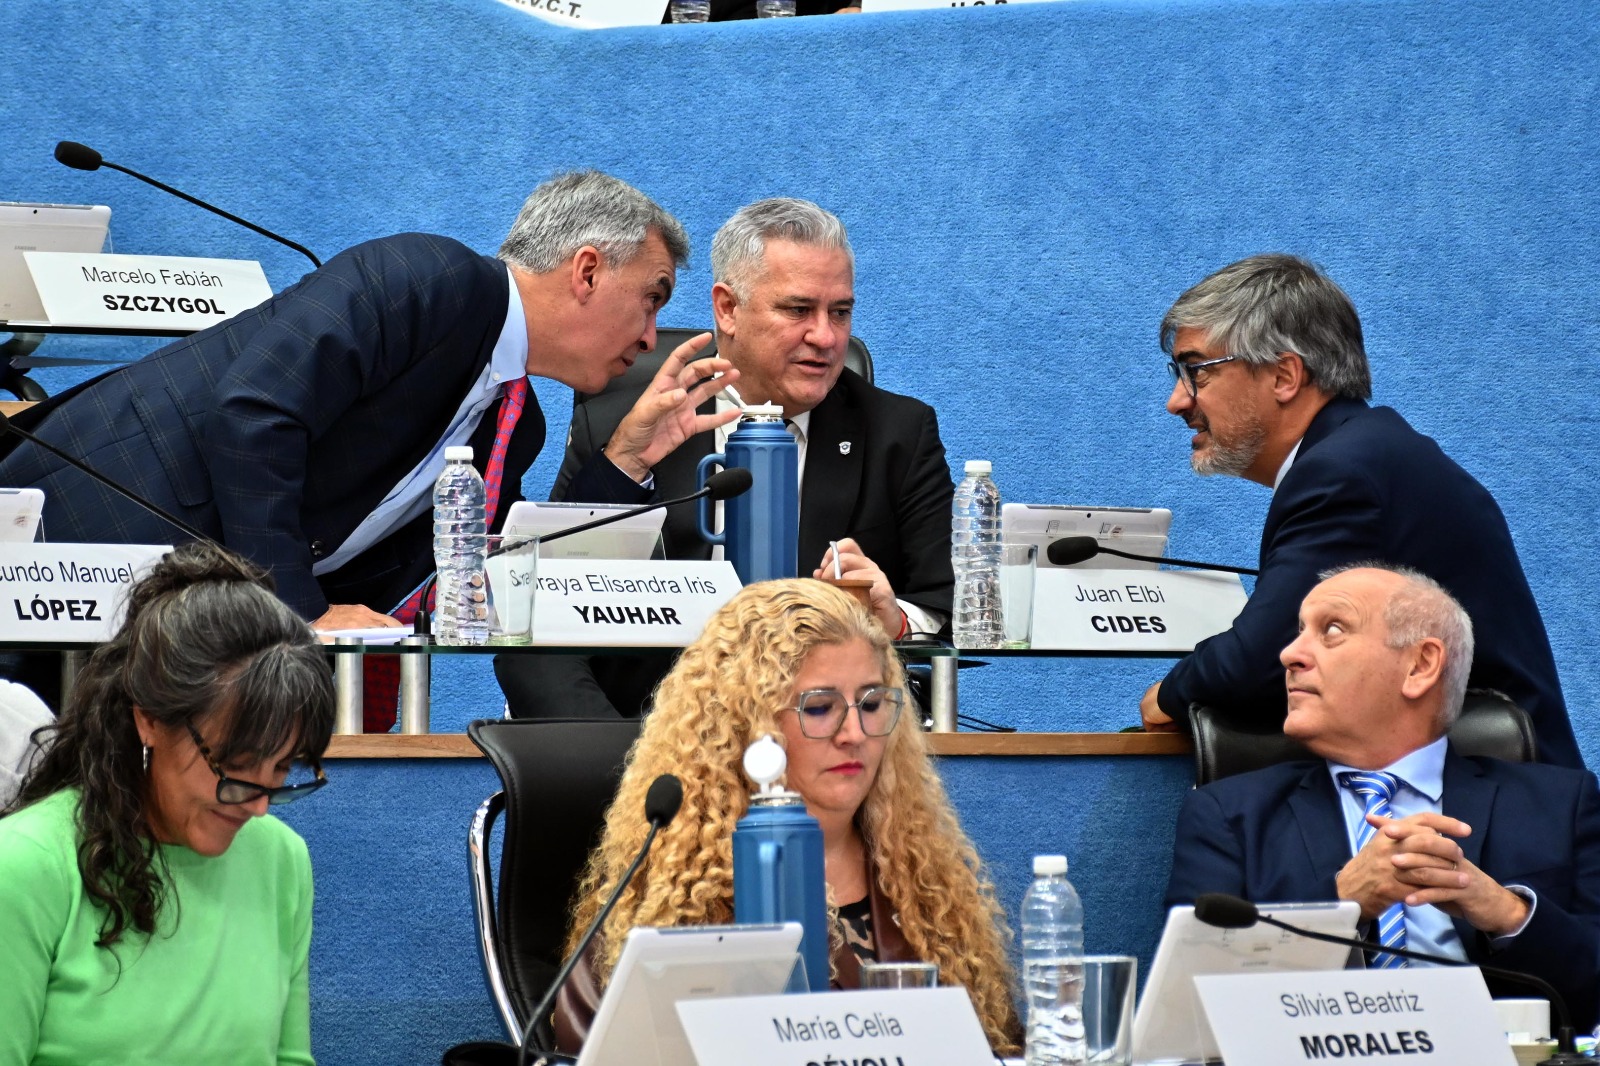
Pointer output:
x,y
1373,787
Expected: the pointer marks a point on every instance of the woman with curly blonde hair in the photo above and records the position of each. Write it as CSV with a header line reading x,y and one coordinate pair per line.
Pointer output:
x,y
802,661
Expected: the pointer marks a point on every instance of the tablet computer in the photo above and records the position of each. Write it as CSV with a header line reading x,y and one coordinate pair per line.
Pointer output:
x,y
41,228
1141,530
637,1023
1170,1025
629,538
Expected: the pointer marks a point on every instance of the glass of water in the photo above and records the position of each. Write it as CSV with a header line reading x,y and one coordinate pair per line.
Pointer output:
x,y
691,10
1018,565
774,9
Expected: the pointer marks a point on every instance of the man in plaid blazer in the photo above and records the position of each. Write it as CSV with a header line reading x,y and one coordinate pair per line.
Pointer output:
x,y
306,433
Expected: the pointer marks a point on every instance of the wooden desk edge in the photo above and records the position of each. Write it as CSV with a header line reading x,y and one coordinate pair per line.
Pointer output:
x,y
458,746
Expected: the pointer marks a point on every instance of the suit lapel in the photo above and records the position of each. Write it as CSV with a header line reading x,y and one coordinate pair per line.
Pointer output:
x,y
1316,809
835,447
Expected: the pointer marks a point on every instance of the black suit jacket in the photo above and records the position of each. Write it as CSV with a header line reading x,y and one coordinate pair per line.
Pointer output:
x,y
875,470
279,430
1365,486
1277,835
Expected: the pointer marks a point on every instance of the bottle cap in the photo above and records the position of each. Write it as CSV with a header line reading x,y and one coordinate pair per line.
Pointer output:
x,y
1049,866
762,412
979,466
764,762
458,451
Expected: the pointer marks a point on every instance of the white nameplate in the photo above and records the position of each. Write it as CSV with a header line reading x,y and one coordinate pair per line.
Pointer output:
x,y
914,5
144,291
887,1027
68,593
628,602
1429,1014
1132,610
594,14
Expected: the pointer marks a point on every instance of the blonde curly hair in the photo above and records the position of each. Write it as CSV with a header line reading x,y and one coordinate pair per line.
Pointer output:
x,y
727,689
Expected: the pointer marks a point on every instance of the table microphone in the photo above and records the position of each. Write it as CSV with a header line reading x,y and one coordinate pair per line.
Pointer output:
x,y
1224,911
1069,550
723,485
661,805
8,426
82,157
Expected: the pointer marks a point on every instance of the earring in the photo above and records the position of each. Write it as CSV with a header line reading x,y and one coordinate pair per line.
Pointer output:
x,y
146,757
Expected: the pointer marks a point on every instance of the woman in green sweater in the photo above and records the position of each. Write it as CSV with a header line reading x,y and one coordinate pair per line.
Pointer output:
x,y
148,912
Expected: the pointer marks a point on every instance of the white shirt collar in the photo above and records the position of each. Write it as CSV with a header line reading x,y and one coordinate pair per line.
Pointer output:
x,y
510,356
1288,461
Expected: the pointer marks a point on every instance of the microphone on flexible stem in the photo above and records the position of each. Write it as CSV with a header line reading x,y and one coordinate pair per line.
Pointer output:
x,y
1226,911
661,805
82,157
723,485
1069,550
8,426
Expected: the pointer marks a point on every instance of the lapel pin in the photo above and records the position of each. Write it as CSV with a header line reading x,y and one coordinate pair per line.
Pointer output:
x,y
844,447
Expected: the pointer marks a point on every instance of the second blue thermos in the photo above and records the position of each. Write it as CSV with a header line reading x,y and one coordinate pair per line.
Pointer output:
x,y
761,528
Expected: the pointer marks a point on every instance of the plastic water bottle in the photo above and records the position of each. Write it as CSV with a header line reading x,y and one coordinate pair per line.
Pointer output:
x,y
460,540
975,558
1052,965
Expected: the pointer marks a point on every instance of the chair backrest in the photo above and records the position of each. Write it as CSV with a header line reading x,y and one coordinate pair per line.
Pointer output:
x,y
856,357
558,778
1490,724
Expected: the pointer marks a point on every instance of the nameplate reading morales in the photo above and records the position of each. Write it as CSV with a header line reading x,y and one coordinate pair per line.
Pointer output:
x,y
144,291
1427,1014
68,593
628,602
1132,610
888,1027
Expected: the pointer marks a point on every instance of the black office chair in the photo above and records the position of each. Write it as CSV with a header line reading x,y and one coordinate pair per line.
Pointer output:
x,y
856,357
558,776
1490,724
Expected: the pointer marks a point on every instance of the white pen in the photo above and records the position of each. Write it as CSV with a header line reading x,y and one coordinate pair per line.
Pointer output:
x,y
838,574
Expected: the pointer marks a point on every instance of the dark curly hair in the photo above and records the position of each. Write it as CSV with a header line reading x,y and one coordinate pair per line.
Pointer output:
x,y
203,635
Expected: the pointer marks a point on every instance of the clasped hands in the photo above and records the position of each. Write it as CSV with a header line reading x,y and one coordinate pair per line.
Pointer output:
x,y
1416,861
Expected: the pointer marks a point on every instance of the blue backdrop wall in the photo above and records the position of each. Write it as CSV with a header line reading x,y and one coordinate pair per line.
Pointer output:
x,y
1027,189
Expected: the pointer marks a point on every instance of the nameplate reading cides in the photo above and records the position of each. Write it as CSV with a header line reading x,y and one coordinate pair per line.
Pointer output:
x,y
888,1027
1430,1014
1132,610
144,291
628,602
68,593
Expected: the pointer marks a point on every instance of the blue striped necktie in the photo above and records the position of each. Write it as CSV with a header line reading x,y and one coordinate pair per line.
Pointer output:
x,y
1375,790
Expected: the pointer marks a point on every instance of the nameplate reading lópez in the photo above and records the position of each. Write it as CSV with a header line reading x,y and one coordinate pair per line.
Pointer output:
x,y
628,602
144,291
881,1027
1431,1014
68,593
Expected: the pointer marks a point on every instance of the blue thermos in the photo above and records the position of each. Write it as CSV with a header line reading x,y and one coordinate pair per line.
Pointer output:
x,y
778,873
761,528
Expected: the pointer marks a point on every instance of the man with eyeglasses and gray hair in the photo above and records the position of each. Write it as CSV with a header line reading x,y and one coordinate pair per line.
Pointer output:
x,y
873,475
1270,372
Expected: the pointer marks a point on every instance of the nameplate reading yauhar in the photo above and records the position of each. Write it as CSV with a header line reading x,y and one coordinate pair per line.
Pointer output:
x,y
144,291
68,593
1439,1014
628,602
1132,610
889,1027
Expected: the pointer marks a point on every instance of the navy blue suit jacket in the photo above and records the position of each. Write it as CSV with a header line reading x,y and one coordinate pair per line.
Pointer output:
x,y
1365,486
277,431
889,488
1277,836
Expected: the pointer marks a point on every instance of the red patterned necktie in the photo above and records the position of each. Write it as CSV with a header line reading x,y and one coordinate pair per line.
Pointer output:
x,y
383,671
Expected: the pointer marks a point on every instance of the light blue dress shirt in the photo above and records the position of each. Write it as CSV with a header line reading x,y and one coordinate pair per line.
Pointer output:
x,y
1420,789
413,494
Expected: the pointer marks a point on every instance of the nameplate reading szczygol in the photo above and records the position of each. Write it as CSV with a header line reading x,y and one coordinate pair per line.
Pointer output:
x,y
1132,610
68,593
1434,1014
888,1027
144,291
628,602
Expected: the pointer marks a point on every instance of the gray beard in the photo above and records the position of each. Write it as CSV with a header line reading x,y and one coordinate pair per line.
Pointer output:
x,y
1231,458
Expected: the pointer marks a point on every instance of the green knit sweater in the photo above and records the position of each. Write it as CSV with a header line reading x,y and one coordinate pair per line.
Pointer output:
x,y
223,980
